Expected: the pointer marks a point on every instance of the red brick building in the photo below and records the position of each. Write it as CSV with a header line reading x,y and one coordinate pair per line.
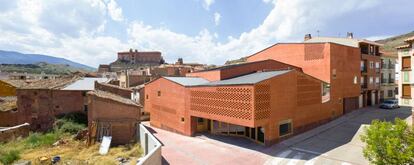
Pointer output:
x,y
112,113
264,101
136,57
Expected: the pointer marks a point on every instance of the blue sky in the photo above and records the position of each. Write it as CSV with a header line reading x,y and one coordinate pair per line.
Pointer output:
x,y
205,31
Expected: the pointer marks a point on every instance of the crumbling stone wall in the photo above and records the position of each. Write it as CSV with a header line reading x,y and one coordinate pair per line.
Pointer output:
x,y
14,132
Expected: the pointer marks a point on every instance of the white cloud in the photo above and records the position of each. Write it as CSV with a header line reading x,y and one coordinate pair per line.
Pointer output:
x,y
74,30
207,4
217,17
114,11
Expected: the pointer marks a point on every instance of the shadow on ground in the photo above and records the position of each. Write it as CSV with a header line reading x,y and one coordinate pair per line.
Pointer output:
x,y
333,135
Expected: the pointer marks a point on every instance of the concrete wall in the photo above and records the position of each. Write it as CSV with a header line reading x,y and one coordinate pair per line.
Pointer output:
x,y
151,146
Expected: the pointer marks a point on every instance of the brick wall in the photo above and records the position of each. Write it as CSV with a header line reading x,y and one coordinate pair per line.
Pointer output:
x,y
40,106
122,118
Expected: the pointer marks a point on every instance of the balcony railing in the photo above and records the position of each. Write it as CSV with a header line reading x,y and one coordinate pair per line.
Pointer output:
x,y
391,66
384,81
364,85
363,69
391,81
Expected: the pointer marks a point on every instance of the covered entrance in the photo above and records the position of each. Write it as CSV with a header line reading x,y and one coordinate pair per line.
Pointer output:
x,y
222,128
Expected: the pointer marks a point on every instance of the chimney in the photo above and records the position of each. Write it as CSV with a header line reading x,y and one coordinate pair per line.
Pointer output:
x,y
308,37
136,51
130,50
349,35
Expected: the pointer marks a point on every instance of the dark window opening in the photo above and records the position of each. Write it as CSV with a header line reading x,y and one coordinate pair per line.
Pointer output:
x,y
85,108
200,120
182,119
83,93
147,96
159,93
260,134
253,133
285,129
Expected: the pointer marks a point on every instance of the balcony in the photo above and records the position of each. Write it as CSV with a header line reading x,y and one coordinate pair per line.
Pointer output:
x,y
391,66
384,81
364,85
363,69
391,81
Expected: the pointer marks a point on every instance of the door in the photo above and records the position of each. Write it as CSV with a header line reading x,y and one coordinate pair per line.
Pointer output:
x,y
202,125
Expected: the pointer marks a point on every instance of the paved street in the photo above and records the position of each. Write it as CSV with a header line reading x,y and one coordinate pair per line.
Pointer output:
x,y
337,142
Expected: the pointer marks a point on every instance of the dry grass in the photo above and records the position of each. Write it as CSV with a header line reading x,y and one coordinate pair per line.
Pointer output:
x,y
77,152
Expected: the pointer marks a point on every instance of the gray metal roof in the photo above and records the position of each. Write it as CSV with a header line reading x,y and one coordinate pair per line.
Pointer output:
x,y
248,79
85,84
187,81
343,41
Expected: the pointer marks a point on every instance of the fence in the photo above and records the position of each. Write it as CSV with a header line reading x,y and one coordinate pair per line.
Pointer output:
x,y
151,147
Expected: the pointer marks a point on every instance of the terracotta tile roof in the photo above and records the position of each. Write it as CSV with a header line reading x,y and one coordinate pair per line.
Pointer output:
x,y
403,46
17,83
409,39
50,83
8,103
117,98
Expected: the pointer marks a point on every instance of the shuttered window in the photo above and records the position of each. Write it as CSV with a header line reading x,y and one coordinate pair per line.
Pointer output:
x,y
406,90
406,63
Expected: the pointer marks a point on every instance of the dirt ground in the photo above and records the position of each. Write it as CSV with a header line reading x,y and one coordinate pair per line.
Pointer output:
x,y
77,152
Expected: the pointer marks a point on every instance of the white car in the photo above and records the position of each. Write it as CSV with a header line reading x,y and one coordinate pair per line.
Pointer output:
x,y
389,104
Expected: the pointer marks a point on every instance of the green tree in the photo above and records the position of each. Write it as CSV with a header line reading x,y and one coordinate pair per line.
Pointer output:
x,y
388,143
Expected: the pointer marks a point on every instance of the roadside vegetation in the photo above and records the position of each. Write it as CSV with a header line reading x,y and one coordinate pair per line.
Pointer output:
x,y
389,143
40,148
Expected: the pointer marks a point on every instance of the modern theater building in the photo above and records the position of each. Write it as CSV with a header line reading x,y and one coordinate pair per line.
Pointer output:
x,y
263,101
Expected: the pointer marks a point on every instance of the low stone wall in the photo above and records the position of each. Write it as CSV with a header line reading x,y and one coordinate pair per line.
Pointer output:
x,y
8,133
151,147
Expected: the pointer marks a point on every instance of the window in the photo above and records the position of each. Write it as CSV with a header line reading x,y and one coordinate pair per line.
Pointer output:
x,y
334,73
406,76
83,93
159,93
371,80
362,80
390,93
326,90
182,119
285,128
371,65
377,80
406,62
355,80
147,96
85,108
377,65
406,90
200,120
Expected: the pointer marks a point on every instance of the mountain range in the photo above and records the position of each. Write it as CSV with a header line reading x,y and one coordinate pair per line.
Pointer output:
x,y
11,57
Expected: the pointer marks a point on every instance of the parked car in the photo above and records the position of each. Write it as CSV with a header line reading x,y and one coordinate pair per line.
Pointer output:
x,y
389,104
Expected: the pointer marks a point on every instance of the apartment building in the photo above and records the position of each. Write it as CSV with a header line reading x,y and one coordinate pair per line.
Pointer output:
x,y
405,92
389,87
264,101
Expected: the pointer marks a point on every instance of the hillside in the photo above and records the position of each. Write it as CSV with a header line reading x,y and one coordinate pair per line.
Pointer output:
x,y
392,42
10,57
37,68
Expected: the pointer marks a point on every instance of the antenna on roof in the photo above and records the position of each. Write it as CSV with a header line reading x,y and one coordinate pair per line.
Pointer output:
x,y
317,31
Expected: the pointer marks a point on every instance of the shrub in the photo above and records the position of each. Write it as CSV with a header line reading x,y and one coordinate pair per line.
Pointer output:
x,y
37,139
8,157
388,143
67,126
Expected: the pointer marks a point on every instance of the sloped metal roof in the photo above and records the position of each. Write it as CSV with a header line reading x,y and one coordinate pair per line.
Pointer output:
x,y
187,81
248,79
85,84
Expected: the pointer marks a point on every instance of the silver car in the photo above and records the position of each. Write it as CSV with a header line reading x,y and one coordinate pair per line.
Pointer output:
x,y
389,104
